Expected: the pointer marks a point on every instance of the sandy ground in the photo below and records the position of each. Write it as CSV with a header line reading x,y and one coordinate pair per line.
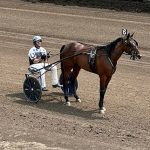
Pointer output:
x,y
50,125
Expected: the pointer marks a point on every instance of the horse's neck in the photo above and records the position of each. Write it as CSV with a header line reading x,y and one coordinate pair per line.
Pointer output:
x,y
116,54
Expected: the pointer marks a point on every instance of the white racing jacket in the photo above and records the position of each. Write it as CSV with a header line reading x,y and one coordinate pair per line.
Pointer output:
x,y
36,53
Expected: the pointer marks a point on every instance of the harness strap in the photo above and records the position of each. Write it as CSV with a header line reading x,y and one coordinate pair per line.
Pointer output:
x,y
92,59
113,67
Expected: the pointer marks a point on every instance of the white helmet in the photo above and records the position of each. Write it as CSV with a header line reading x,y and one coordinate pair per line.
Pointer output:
x,y
36,38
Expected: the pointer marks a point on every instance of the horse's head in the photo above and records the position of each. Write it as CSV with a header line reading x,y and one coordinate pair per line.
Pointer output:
x,y
131,47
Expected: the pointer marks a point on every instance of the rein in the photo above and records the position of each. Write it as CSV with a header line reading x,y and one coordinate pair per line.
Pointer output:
x,y
83,51
58,61
48,67
54,54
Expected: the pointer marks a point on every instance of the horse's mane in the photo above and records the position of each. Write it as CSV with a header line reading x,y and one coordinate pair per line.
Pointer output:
x,y
110,46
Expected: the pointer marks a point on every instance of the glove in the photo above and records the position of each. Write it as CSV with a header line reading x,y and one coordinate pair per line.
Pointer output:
x,y
43,57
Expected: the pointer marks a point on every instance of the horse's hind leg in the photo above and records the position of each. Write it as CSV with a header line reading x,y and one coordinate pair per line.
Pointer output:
x,y
65,82
65,72
77,97
76,70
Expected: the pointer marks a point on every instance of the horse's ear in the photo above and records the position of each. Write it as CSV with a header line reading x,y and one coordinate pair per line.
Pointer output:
x,y
128,36
132,34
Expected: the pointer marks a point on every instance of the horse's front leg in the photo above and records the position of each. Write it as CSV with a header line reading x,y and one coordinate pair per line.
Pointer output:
x,y
101,102
103,87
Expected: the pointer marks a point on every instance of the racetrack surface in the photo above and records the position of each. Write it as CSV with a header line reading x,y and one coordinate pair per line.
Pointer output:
x,y
49,124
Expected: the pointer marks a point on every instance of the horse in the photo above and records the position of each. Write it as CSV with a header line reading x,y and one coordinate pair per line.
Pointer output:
x,y
101,60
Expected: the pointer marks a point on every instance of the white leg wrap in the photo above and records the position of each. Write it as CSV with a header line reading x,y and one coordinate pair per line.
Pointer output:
x,y
67,103
102,111
78,100
54,77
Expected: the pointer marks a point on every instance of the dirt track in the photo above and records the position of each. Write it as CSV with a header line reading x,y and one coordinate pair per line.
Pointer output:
x,y
50,125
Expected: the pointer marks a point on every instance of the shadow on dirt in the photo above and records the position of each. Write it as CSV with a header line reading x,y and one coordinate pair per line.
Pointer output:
x,y
54,102
119,5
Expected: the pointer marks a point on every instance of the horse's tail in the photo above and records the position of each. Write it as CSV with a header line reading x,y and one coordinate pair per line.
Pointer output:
x,y
62,49
61,62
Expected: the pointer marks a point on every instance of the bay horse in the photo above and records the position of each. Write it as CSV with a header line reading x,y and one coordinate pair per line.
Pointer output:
x,y
101,60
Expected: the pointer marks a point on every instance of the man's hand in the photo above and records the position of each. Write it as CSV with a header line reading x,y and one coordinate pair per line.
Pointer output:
x,y
43,57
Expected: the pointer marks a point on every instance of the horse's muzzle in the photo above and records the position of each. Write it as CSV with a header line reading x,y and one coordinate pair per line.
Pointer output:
x,y
135,55
139,56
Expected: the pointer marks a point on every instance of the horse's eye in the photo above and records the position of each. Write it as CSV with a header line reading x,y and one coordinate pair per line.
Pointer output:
x,y
126,41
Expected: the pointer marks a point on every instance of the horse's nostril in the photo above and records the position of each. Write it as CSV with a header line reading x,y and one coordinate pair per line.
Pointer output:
x,y
139,56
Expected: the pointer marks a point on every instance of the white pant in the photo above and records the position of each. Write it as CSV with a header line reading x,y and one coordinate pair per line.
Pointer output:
x,y
54,77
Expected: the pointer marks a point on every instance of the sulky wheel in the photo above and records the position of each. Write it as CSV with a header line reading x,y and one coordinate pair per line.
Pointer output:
x,y
61,81
32,89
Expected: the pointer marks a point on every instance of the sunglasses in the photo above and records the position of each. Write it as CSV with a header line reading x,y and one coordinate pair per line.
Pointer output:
x,y
39,41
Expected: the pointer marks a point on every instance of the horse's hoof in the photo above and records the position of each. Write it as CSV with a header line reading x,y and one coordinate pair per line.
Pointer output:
x,y
67,103
78,100
102,110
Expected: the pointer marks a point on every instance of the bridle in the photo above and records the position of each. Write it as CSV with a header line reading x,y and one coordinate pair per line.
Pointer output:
x,y
133,48
134,54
